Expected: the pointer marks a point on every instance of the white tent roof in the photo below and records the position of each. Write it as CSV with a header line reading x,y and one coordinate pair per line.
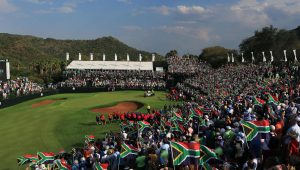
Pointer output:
x,y
110,65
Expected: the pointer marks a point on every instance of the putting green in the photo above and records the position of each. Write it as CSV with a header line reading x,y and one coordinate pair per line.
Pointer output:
x,y
61,124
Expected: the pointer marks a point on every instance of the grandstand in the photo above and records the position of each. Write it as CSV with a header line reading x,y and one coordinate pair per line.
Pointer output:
x,y
113,74
110,65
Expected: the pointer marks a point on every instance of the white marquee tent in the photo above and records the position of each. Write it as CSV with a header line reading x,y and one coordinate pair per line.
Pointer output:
x,y
110,65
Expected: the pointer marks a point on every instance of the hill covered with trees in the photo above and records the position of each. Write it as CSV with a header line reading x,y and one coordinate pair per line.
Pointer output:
x,y
44,59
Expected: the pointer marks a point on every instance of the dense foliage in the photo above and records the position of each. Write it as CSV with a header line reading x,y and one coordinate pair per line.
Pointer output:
x,y
271,39
216,56
267,39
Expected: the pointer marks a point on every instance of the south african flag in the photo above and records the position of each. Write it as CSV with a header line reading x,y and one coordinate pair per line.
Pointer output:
x,y
126,125
202,122
61,164
177,127
199,110
182,151
45,157
177,116
252,128
207,166
128,150
33,159
99,166
165,123
143,125
258,102
89,138
22,160
193,113
206,154
272,99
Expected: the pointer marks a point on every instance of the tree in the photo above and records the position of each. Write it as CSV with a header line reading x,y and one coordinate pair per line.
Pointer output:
x,y
216,56
171,53
189,56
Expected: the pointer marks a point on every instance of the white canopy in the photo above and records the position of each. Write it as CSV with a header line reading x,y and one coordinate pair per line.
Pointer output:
x,y
110,65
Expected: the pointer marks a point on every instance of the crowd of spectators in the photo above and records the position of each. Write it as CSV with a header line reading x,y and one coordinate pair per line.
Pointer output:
x,y
19,87
185,65
246,116
220,129
219,124
237,79
129,79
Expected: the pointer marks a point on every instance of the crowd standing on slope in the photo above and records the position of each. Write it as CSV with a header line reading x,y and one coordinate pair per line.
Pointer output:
x,y
186,66
248,117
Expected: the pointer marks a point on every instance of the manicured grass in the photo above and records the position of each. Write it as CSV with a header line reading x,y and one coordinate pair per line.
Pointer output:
x,y
60,125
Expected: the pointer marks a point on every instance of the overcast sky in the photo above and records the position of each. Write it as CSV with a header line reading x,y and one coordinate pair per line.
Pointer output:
x,y
152,25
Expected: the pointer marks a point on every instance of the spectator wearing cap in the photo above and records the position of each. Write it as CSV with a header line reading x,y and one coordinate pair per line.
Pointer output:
x,y
219,141
273,131
228,135
75,165
251,164
148,108
83,163
124,135
253,117
247,116
236,126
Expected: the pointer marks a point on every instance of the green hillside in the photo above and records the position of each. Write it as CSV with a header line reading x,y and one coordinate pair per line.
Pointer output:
x,y
40,58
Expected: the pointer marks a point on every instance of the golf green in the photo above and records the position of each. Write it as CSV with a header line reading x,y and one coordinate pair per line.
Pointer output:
x,y
60,124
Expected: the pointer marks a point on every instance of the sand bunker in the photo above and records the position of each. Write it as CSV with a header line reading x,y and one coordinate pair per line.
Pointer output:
x,y
120,107
45,102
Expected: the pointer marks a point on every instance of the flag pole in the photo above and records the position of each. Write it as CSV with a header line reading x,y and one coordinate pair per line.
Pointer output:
x,y
246,138
119,162
172,156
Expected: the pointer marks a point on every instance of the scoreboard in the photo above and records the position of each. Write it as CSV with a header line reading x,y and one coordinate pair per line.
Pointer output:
x,y
4,70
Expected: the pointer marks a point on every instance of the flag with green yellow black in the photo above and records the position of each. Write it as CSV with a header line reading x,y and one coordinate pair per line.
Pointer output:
x,y
206,154
184,152
142,125
22,160
252,128
127,150
100,166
